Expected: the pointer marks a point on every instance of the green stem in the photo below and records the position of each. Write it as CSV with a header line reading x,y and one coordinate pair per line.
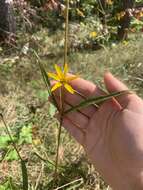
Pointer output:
x,y
59,130
23,165
58,147
10,136
62,90
66,33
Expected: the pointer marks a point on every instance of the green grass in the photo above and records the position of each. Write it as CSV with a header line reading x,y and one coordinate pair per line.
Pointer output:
x,y
24,102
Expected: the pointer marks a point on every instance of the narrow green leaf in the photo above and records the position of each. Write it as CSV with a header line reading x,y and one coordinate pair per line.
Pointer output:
x,y
24,175
95,100
46,79
47,82
44,74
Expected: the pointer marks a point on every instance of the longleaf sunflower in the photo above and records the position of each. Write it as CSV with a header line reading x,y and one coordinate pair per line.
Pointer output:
x,y
62,78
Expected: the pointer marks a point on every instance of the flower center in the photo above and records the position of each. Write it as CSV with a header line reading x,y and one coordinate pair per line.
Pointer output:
x,y
62,80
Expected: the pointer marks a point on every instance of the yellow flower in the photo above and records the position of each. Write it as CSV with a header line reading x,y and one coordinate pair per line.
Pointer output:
x,y
141,14
93,34
62,79
109,2
121,15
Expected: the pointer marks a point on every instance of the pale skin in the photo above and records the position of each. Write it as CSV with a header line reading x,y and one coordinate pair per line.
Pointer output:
x,y
112,135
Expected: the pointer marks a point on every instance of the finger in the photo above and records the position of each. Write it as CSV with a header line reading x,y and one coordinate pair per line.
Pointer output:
x,y
77,117
73,129
129,101
114,85
85,88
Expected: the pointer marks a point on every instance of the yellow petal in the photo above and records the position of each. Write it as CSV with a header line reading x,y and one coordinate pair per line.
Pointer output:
x,y
69,88
70,78
59,71
53,76
57,85
66,69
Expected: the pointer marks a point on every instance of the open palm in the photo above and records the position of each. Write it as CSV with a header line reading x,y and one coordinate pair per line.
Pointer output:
x,y
111,135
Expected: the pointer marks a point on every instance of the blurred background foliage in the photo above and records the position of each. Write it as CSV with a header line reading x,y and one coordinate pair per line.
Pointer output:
x,y
103,35
109,20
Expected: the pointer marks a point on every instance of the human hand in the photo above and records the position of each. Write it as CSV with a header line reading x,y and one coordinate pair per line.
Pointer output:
x,y
111,135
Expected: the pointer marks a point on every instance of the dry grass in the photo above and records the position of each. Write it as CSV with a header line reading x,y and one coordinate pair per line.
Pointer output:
x,y
24,102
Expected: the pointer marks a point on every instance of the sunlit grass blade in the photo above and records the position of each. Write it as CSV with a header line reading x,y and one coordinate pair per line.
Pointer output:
x,y
24,175
96,100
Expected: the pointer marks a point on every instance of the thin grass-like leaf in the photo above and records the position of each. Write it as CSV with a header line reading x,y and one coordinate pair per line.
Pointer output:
x,y
46,80
24,175
47,161
96,100
23,165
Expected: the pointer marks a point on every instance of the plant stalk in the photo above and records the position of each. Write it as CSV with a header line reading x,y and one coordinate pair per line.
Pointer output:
x,y
66,33
10,136
23,165
59,130
62,90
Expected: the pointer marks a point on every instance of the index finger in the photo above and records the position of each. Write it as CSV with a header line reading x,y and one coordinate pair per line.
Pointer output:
x,y
86,89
